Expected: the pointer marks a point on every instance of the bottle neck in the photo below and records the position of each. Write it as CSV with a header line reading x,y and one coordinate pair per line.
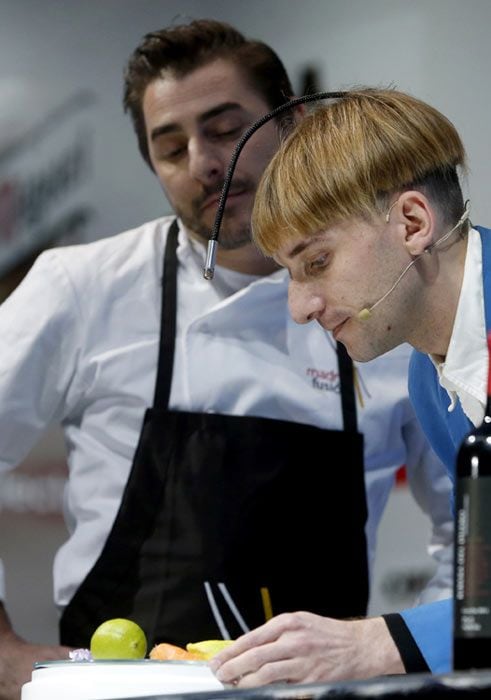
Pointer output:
x,y
487,412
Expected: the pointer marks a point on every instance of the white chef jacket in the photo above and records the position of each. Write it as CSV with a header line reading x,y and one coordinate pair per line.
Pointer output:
x,y
79,343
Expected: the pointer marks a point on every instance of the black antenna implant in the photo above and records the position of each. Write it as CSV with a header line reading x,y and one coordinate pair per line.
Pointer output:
x,y
209,269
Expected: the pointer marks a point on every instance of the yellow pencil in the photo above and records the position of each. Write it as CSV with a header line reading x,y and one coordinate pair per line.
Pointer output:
x,y
267,607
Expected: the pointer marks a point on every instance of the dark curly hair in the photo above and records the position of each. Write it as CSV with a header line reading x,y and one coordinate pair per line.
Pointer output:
x,y
182,48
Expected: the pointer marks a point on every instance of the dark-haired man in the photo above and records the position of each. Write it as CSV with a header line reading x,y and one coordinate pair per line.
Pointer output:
x,y
201,422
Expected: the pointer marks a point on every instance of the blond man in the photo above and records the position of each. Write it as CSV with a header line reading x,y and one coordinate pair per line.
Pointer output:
x,y
363,205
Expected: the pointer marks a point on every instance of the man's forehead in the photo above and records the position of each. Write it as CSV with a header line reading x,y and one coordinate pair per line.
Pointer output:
x,y
199,91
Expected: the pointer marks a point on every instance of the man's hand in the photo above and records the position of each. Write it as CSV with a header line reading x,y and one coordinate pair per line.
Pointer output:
x,y
304,648
17,658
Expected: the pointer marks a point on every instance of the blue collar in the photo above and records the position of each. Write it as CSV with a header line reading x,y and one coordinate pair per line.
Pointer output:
x,y
486,268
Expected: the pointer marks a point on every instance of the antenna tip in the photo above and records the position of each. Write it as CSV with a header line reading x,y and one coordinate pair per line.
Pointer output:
x,y
211,253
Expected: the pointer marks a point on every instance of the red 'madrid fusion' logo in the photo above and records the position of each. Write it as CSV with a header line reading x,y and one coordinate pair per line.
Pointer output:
x,y
324,380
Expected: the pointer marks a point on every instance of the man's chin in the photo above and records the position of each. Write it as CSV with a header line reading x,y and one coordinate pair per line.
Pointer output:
x,y
234,233
233,243
228,240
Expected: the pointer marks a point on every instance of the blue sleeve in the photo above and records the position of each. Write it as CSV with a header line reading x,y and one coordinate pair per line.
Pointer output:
x,y
431,628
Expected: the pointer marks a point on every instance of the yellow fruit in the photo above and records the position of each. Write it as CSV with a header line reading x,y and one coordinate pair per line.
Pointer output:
x,y
209,648
118,639
170,652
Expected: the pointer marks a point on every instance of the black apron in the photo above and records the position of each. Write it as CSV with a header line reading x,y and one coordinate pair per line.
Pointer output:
x,y
223,516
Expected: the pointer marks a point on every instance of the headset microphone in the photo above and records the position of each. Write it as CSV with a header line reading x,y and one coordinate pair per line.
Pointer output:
x,y
365,313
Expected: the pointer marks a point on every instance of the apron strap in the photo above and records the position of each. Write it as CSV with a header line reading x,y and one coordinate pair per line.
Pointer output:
x,y
167,321
348,398
168,335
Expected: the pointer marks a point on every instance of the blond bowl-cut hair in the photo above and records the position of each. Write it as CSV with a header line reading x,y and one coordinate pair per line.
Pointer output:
x,y
345,159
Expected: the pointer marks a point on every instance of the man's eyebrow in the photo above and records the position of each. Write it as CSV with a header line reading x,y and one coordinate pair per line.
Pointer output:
x,y
209,114
300,247
294,252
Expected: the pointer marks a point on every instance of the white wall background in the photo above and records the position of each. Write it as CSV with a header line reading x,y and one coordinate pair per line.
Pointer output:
x,y
51,49
436,49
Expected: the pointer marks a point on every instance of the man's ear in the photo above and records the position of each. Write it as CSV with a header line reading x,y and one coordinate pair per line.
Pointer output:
x,y
418,220
299,112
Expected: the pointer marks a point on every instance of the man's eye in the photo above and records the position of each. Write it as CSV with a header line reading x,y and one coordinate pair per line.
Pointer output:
x,y
228,133
169,150
318,263
173,153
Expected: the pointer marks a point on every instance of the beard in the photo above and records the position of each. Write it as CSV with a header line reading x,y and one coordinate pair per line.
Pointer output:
x,y
233,234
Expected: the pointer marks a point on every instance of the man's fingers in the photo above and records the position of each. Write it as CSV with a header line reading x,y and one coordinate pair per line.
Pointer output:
x,y
251,661
274,672
266,634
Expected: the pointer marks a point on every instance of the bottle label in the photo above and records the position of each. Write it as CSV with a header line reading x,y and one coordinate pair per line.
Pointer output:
x,y
472,579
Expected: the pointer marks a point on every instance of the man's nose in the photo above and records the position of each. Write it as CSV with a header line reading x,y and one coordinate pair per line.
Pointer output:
x,y
205,162
304,304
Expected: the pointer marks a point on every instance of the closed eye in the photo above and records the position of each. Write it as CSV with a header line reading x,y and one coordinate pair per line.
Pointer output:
x,y
175,153
169,152
228,133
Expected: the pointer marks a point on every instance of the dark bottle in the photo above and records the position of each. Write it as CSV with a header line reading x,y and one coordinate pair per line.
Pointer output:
x,y
472,557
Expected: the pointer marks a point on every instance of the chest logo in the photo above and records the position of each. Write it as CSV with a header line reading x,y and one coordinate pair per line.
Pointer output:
x,y
324,380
